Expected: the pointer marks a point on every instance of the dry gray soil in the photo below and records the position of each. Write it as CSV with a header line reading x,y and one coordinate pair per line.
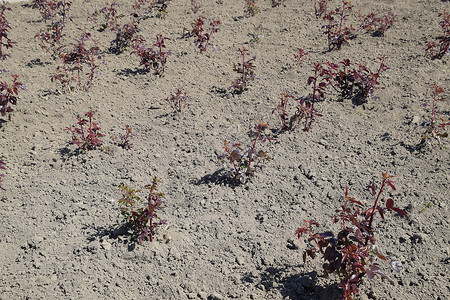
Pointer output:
x,y
60,234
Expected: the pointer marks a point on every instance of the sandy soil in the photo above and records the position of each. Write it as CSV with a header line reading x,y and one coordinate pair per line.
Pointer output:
x,y
60,234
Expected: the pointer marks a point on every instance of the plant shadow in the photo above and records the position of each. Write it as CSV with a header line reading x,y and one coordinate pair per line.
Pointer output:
x,y
219,177
301,286
120,233
130,72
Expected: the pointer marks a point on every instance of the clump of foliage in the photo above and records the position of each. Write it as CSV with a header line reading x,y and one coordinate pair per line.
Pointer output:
x,y
87,135
305,107
2,167
251,8
124,37
141,215
246,69
434,51
150,8
57,12
202,38
124,139
5,42
354,80
320,8
110,17
276,3
351,252
177,101
246,162
300,57
337,33
435,129
376,25
79,63
195,7
8,95
152,58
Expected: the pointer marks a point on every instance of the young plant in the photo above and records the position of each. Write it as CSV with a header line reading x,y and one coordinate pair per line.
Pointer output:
x,y
251,8
202,38
444,39
434,129
305,106
124,140
110,17
87,135
58,14
351,252
246,69
320,8
375,25
124,37
149,8
152,59
281,109
141,215
195,7
300,57
79,63
276,3
177,101
2,167
358,82
336,32
246,163
5,42
8,95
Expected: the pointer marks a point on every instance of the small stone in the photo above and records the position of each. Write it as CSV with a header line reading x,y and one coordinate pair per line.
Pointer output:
x,y
215,296
106,245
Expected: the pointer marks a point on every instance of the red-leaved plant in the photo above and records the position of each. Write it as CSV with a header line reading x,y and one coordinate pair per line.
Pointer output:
x,y
110,16
141,215
124,139
202,38
177,101
246,163
435,129
376,25
246,69
355,81
8,95
337,33
4,28
87,135
351,253
152,58
444,39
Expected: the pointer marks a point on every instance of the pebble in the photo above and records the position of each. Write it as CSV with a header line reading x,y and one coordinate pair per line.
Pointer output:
x,y
106,245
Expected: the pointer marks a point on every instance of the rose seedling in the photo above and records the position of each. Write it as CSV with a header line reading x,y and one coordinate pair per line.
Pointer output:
x,y
79,63
246,70
177,101
141,215
434,51
5,42
246,163
351,253
202,38
435,129
376,25
320,8
58,14
152,58
124,37
355,81
8,95
337,33
251,8
87,135
110,17
124,139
